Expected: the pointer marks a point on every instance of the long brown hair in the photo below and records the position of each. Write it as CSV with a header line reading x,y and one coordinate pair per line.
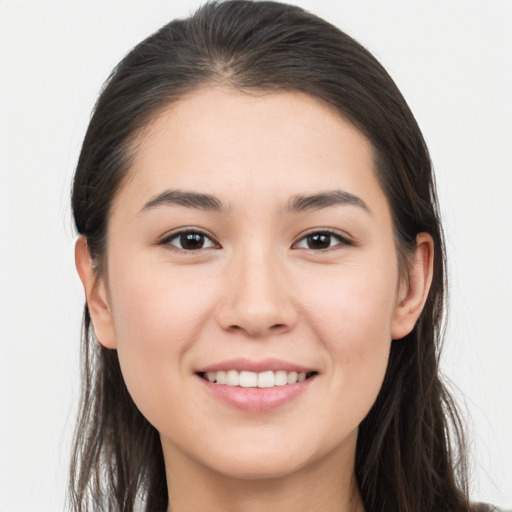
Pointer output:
x,y
410,451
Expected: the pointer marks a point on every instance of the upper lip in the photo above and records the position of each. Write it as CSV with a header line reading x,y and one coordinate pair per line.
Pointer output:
x,y
256,366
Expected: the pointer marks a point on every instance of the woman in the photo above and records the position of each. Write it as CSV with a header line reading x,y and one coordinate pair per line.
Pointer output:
x,y
263,263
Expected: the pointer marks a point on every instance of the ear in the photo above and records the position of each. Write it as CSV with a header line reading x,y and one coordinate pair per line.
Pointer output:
x,y
95,294
413,292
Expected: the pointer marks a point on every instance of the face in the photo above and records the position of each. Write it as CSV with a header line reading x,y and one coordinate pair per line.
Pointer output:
x,y
251,284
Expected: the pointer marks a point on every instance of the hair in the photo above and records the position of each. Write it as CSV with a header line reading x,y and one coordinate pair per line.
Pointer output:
x,y
410,454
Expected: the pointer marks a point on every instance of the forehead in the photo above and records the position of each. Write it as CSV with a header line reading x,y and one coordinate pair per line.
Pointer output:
x,y
220,140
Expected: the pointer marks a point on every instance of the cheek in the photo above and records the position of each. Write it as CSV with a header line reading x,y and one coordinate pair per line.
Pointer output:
x,y
157,317
354,307
352,320
154,300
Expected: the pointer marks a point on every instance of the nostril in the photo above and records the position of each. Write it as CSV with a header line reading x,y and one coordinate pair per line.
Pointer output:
x,y
274,327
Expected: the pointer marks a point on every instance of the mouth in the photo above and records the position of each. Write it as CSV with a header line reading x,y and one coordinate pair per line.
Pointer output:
x,y
255,386
249,379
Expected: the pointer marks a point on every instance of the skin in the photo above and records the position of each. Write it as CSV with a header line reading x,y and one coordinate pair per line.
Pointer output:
x,y
255,290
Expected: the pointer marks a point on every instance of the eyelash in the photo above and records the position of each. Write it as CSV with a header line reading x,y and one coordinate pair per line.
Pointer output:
x,y
342,240
167,241
203,237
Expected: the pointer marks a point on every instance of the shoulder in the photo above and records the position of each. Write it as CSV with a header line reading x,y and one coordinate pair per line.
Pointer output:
x,y
484,507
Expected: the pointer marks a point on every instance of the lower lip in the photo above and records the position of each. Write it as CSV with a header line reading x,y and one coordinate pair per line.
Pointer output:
x,y
257,399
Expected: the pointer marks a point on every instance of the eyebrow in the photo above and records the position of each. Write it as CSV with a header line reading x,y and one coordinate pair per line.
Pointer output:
x,y
298,203
194,200
301,203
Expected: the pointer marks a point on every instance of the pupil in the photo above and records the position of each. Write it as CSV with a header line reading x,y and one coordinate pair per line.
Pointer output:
x,y
319,241
192,241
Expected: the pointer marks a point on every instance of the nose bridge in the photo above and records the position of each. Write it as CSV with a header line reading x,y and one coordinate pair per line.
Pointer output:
x,y
256,296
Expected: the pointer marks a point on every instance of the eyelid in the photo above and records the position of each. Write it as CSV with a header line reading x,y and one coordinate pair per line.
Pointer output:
x,y
168,237
165,240
343,238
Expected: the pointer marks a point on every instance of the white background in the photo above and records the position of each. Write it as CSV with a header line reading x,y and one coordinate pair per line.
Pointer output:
x,y
451,59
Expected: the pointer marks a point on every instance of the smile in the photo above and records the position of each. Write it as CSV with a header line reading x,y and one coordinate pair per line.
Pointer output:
x,y
248,379
256,385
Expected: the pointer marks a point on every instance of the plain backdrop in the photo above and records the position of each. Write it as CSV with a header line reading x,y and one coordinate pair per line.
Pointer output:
x,y
451,59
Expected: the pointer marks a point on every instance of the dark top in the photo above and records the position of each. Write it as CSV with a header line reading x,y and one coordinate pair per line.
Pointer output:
x,y
483,507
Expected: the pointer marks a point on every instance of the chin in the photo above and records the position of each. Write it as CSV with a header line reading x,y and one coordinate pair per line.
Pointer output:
x,y
280,458
259,468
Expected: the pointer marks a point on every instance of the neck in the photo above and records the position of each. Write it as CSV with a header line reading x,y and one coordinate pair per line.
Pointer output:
x,y
327,485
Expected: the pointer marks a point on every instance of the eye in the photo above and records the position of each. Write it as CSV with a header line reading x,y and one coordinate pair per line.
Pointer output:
x,y
321,240
189,241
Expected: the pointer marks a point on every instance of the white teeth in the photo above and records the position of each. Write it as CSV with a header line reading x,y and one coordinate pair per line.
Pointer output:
x,y
246,379
232,378
282,378
266,380
292,377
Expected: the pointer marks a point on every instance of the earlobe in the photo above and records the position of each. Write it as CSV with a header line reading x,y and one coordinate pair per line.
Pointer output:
x,y
413,293
95,294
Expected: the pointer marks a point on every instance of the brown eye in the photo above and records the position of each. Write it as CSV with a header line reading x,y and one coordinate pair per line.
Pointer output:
x,y
190,241
321,240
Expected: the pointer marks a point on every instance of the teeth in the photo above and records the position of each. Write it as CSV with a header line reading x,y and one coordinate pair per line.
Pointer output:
x,y
267,379
232,378
282,378
291,377
247,379
221,377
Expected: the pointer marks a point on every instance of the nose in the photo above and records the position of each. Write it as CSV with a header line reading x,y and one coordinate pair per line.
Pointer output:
x,y
257,297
